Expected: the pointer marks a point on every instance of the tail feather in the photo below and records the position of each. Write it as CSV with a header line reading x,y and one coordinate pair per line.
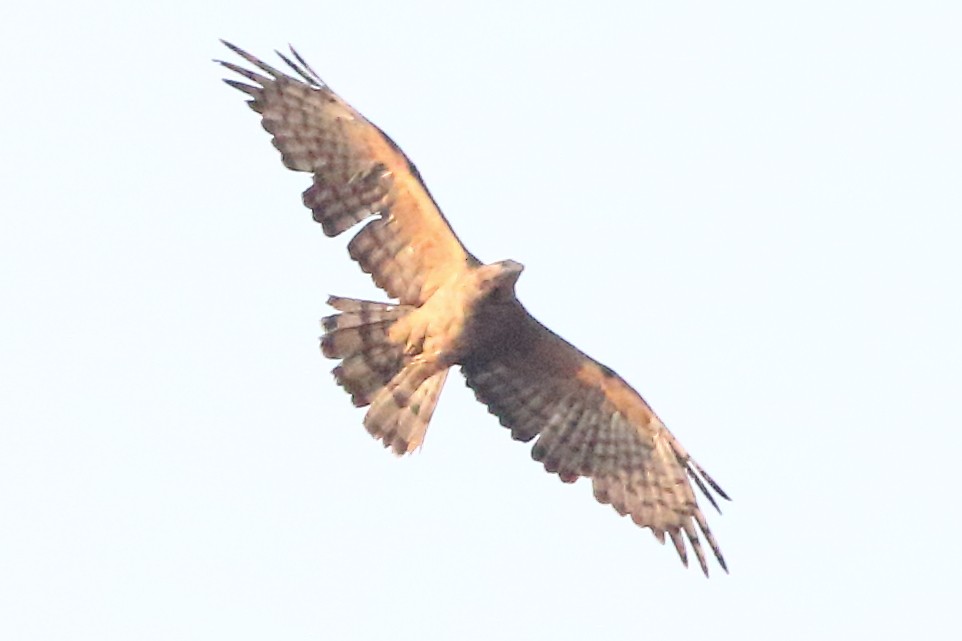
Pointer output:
x,y
401,411
359,336
401,390
363,375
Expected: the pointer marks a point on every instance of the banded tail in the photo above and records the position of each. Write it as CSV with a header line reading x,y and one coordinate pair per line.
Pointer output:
x,y
401,389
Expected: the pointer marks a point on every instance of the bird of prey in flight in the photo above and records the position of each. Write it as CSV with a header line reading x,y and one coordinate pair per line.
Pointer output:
x,y
452,309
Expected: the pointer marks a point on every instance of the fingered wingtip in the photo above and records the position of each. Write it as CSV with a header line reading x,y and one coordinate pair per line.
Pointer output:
x,y
254,60
273,75
300,66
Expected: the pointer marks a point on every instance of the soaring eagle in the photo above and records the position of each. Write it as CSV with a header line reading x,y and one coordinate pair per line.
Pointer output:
x,y
453,309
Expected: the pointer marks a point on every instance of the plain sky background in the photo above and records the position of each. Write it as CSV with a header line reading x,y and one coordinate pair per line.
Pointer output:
x,y
750,210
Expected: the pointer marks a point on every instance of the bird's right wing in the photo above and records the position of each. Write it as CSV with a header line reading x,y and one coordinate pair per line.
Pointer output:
x,y
590,423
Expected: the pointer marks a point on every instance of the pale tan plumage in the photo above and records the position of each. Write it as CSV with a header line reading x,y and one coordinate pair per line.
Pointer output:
x,y
454,310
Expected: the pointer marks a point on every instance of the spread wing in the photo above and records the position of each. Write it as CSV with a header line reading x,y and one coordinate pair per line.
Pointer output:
x,y
408,247
590,423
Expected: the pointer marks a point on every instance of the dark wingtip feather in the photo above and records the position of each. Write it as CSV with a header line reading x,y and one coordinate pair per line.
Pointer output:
x,y
704,490
721,562
712,542
698,474
712,482
247,73
257,62
301,71
700,553
306,66
240,86
679,542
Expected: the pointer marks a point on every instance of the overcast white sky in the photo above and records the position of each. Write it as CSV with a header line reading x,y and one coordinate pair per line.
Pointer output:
x,y
750,210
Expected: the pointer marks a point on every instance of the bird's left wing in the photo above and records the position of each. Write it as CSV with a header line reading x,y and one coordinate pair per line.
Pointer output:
x,y
408,248
589,422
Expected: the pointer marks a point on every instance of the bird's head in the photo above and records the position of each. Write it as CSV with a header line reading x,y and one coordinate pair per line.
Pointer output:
x,y
497,280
